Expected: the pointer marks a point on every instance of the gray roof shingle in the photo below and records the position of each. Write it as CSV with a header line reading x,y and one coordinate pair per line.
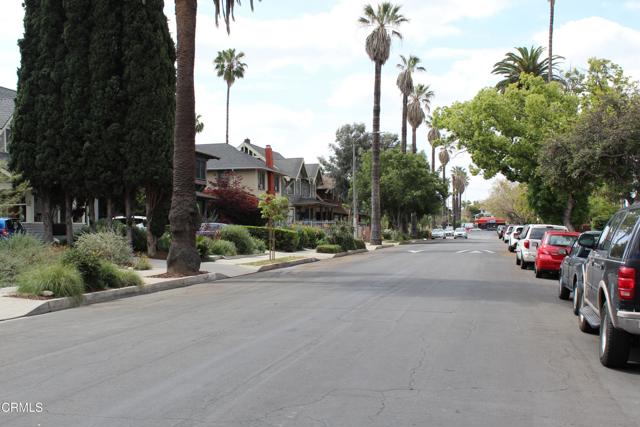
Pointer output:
x,y
7,105
261,151
230,158
290,167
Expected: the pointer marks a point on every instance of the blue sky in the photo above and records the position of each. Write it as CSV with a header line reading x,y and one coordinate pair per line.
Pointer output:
x,y
308,72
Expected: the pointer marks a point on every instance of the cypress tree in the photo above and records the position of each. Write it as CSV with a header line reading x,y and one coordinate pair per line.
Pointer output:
x,y
76,111
148,55
102,152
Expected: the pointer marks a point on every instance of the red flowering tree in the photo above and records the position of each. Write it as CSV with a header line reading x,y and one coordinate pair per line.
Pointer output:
x,y
233,201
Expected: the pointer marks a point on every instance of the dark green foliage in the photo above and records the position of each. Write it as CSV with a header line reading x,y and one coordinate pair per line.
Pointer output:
x,y
164,242
286,240
240,236
22,253
309,236
202,246
341,234
139,239
360,244
329,249
62,280
258,244
127,278
224,248
90,267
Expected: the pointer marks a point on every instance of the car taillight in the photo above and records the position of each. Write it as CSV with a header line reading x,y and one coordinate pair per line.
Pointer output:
x,y
526,244
626,283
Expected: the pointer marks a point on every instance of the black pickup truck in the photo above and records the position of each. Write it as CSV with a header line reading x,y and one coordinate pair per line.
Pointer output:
x,y
611,299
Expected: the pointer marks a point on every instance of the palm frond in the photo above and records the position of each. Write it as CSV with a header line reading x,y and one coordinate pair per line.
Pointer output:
x,y
225,9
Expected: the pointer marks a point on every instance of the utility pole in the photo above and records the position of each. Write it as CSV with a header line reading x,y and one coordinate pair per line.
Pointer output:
x,y
353,186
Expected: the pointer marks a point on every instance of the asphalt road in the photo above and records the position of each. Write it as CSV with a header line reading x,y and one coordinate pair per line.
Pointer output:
x,y
418,335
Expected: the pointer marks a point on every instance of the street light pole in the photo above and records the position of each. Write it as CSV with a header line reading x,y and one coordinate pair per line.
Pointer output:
x,y
355,195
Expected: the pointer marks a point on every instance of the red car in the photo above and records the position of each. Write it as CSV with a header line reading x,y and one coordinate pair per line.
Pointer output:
x,y
555,245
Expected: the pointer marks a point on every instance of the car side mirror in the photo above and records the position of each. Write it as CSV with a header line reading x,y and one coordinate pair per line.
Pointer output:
x,y
587,241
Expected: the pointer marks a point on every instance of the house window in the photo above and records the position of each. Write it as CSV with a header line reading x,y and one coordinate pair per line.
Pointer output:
x,y
262,179
276,183
201,169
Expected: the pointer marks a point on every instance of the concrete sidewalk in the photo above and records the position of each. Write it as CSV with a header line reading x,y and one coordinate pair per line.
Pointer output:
x,y
11,307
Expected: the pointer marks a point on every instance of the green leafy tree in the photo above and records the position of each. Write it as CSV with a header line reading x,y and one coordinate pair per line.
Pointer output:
x,y
273,209
230,67
12,190
339,164
384,21
406,184
183,257
525,61
509,200
404,82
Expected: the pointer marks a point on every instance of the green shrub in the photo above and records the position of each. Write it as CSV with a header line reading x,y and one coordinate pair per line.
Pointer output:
x,y
22,253
342,234
329,249
62,280
164,242
139,239
240,236
360,244
106,245
309,236
127,278
202,246
386,235
399,236
89,265
142,263
286,240
259,245
223,247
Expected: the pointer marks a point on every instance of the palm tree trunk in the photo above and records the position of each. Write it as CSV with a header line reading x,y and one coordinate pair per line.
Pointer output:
x,y
552,4
110,213
183,257
68,217
228,91
47,218
433,159
375,161
405,100
152,201
414,143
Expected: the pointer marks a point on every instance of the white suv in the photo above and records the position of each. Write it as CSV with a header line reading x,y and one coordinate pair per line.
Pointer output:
x,y
514,236
530,237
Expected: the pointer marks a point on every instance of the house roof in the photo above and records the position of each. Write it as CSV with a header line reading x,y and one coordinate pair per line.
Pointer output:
x,y
261,151
230,158
207,155
328,183
290,167
7,105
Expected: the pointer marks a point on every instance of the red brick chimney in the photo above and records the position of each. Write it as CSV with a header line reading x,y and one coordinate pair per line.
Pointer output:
x,y
268,155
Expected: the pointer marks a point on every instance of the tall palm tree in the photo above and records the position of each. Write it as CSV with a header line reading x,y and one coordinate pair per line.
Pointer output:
x,y
183,257
552,6
459,183
525,60
444,157
421,94
434,138
407,67
384,21
230,67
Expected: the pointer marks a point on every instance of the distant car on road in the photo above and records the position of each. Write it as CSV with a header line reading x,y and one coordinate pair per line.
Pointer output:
x,y
554,247
570,277
438,233
9,227
507,233
138,221
530,236
500,231
448,231
460,233
611,299
514,237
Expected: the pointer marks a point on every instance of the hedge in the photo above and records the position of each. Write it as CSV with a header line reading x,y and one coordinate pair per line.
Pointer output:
x,y
286,240
329,249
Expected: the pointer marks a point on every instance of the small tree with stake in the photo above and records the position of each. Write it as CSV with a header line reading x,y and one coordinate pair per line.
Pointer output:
x,y
273,209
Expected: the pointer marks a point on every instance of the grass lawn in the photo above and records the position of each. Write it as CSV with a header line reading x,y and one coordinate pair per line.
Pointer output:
x,y
275,261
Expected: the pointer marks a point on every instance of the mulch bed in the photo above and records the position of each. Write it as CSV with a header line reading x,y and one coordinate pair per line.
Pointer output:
x,y
173,275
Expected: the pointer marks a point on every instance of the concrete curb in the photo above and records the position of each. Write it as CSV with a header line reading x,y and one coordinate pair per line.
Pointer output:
x,y
385,246
114,294
352,252
286,264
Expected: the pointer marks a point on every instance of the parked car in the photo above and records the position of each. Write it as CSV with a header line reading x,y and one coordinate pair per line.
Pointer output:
x,y
210,229
514,236
570,276
500,230
138,221
554,246
610,299
507,233
438,233
9,227
527,246
460,233
448,231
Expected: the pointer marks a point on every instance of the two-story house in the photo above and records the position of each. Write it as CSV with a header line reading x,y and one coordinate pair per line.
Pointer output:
x,y
7,100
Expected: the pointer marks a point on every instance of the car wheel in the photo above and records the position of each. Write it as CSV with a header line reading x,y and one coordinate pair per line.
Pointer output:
x,y
537,271
523,265
517,259
511,249
577,295
582,322
614,343
563,292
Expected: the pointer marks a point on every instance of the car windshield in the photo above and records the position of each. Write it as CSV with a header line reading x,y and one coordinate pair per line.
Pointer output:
x,y
438,230
460,229
538,233
560,240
